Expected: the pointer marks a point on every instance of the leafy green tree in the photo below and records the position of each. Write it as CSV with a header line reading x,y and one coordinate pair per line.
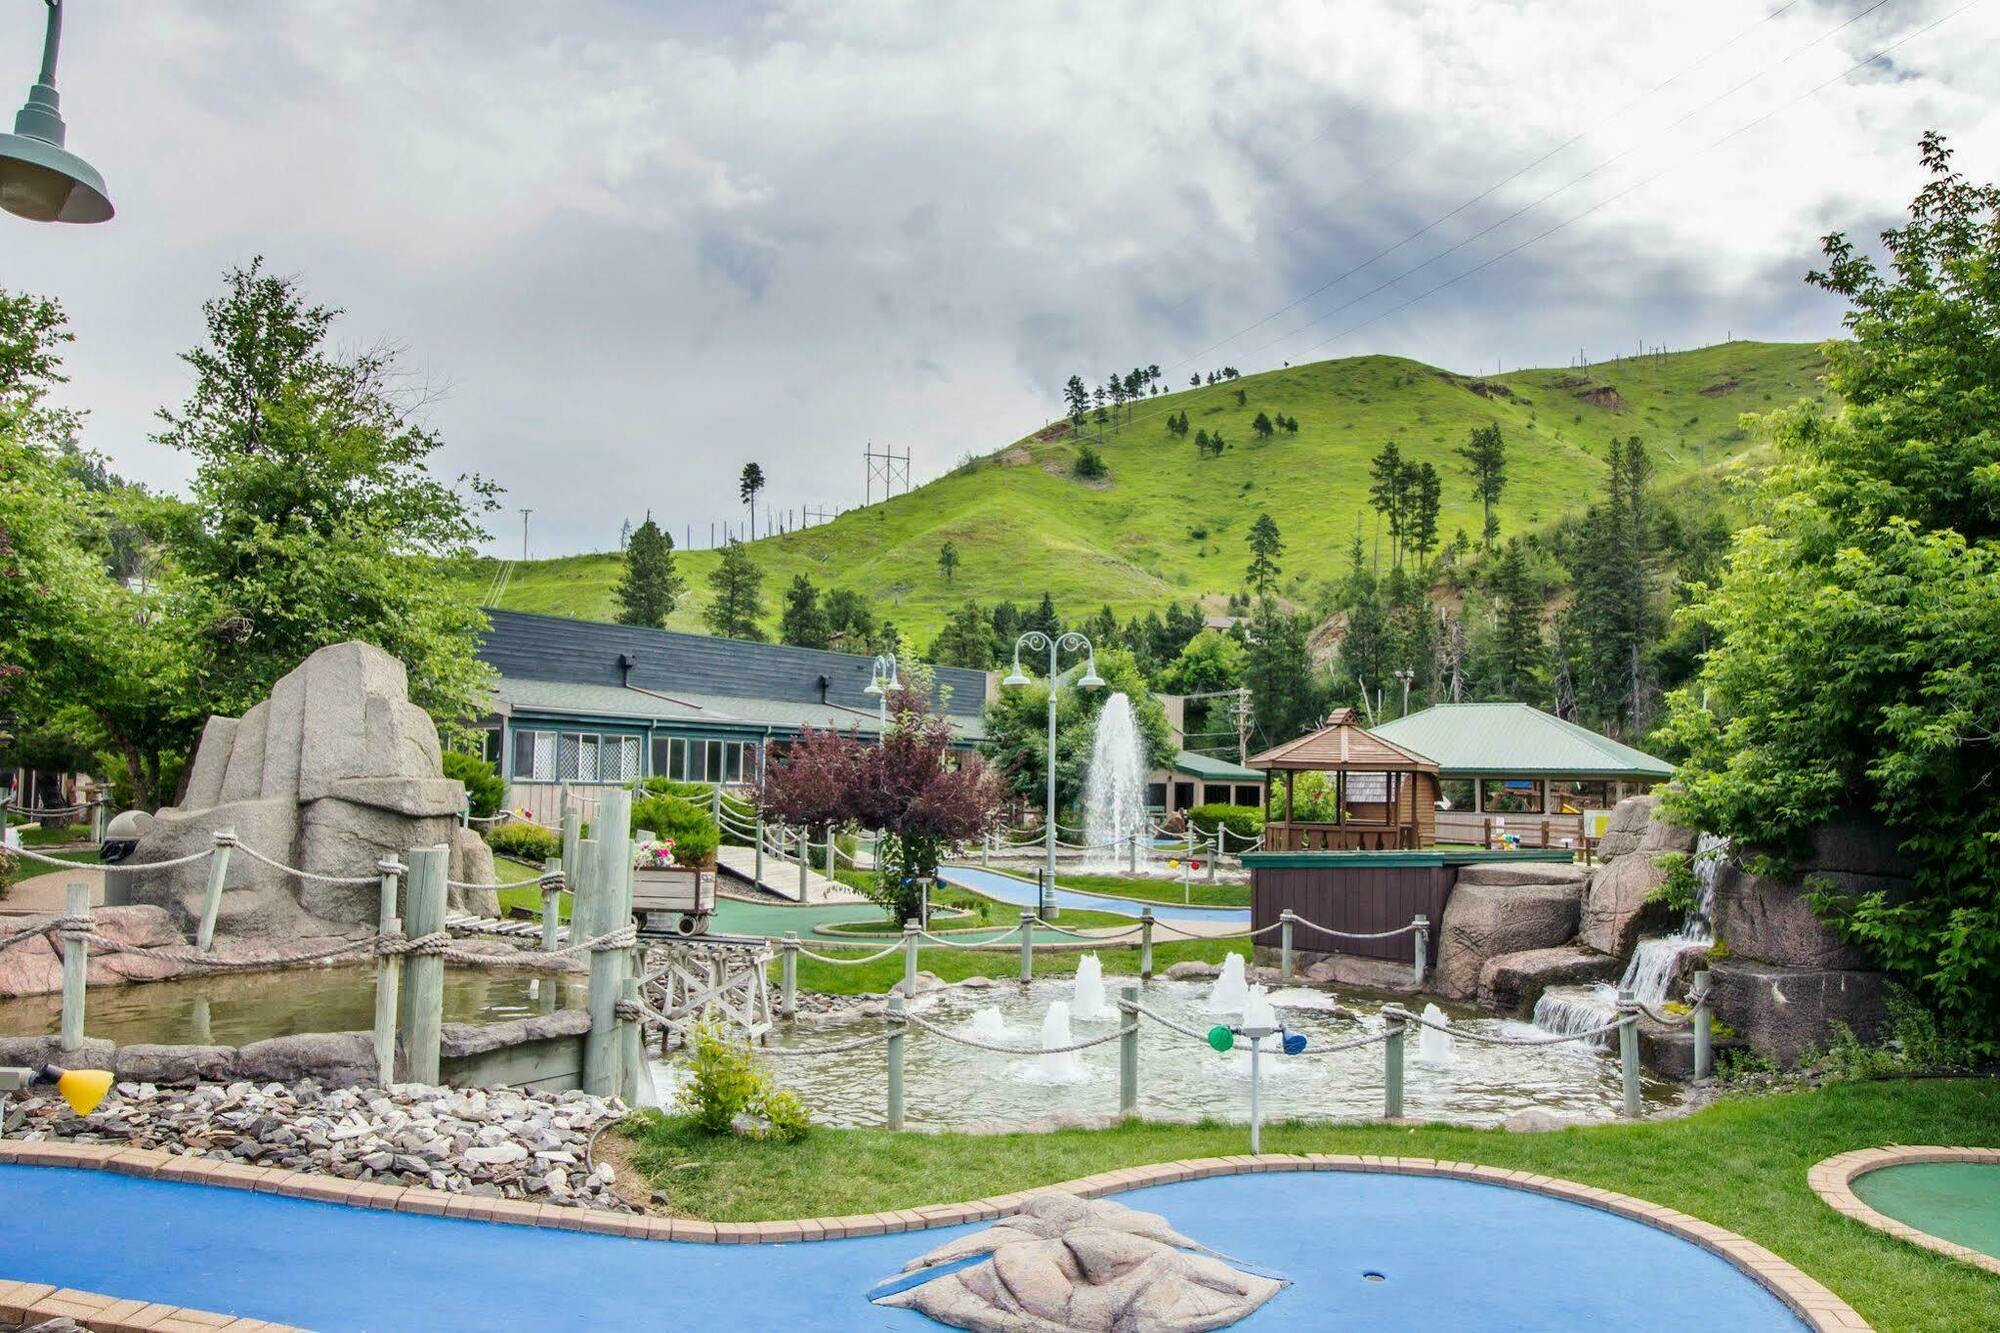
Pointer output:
x,y
1263,428
317,517
850,621
736,596
1855,656
803,622
1209,663
748,486
1017,726
1090,464
1265,548
1201,444
651,586
1485,455
1242,397
1388,484
965,640
948,560
1077,398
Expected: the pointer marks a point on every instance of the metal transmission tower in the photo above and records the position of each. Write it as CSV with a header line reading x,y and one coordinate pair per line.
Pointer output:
x,y
887,467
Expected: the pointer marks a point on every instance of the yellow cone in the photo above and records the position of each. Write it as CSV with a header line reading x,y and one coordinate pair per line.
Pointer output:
x,y
83,1089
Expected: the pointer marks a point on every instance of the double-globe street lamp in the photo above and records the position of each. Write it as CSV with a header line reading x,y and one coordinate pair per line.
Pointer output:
x,y
882,683
1035,640
40,180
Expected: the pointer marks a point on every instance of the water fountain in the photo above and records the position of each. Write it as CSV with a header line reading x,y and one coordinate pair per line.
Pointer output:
x,y
1654,963
987,1025
1435,1048
1258,1013
1114,786
1059,1066
1088,1005
1230,993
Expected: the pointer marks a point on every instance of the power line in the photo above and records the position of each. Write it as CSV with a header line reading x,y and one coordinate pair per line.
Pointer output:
x,y
1497,185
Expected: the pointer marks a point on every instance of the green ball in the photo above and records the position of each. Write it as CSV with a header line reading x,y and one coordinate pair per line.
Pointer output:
x,y
1221,1038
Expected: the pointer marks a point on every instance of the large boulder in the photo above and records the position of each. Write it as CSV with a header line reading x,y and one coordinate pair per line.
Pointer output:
x,y
174,1066
1626,826
336,1059
1781,1011
1482,921
1766,919
1512,982
1096,1267
1617,907
1523,872
1354,971
331,773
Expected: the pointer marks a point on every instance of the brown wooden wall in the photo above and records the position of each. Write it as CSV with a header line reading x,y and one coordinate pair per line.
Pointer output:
x,y
1357,898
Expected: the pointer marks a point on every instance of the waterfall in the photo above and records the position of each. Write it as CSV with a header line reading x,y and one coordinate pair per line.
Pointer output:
x,y
1651,970
1114,786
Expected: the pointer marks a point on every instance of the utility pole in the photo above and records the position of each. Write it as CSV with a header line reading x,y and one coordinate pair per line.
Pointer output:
x,y
524,532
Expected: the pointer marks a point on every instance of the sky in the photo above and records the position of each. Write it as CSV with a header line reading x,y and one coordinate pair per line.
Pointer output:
x,y
629,247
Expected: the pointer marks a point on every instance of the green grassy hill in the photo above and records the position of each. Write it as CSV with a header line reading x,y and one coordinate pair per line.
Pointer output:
x,y
1164,525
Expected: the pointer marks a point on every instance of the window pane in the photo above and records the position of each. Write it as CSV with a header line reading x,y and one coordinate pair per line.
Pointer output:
x,y
628,758
586,760
524,756
661,749
567,757
735,756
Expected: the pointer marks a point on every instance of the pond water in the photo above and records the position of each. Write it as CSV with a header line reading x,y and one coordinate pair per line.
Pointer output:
x,y
949,1085
233,1010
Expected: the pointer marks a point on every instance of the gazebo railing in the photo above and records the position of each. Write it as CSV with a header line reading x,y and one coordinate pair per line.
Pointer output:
x,y
1352,836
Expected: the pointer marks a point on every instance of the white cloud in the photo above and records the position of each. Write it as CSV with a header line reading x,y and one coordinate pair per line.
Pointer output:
x,y
643,245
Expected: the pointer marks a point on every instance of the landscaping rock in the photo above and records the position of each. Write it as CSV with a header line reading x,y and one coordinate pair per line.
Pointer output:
x,y
1615,908
1524,872
1780,1011
1189,970
175,1066
1766,919
1626,826
34,1052
1064,1263
1375,974
1482,921
338,1059
1512,982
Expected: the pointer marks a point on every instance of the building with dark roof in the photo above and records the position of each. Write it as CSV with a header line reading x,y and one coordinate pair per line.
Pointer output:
x,y
582,702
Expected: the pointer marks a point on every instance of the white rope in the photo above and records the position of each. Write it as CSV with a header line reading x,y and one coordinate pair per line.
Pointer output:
x,y
1085,935
972,944
851,962
32,855
542,881
317,878
1490,1040
1353,935
789,1052
1170,1024
917,1021
1158,924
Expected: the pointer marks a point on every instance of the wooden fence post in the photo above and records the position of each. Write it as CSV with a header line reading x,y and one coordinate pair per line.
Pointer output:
x,y
572,833
1704,1020
805,865
1628,1051
632,1046
551,903
423,974
1392,1062
1423,949
610,875
1285,919
388,971
1145,943
1028,923
76,963
1128,1053
788,994
211,903
912,934
898,1029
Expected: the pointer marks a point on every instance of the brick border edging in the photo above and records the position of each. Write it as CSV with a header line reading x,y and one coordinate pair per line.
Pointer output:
x,y
23,1303
1803,1295
1833,1180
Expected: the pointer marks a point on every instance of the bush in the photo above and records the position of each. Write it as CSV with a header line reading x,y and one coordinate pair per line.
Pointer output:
x,y
524,842
1244,821
724,1082
483,787
694,833
1090,464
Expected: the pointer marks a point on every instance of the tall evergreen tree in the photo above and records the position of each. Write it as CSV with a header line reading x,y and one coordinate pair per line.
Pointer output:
x,y
1285,693
1519,653
1426,494
803,622
748,485
850,620
1388,480
1044,618
651,586
1076,397
948,560
1485,455
736,602
1265,548
965,641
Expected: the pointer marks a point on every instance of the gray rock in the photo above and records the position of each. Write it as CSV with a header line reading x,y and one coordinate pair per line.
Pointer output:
x,y
1483,921
1766,919
1523,872
1512,982
472,863
177,1066
1190,970
1780,1011
338,1059
1375,974
1615,907
1627,825
34,1052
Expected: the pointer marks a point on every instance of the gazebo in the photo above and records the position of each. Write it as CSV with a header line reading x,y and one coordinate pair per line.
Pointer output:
x,y
1385,797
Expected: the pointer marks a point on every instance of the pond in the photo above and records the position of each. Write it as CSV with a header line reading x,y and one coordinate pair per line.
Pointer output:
x,y
234,1010
949,1085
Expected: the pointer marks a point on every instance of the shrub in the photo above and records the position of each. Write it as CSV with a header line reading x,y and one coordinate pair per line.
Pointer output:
x,y
1090,464
724,1082
694,833
1245,821
524,842
483,787
1680,891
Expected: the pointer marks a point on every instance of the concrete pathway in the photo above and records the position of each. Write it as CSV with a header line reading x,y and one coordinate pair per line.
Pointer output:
x,y
782,877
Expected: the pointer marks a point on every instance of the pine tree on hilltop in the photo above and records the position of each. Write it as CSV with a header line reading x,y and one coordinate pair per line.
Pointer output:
x,y
651,586
747,487
948,560
737,605
1265,548
1485,455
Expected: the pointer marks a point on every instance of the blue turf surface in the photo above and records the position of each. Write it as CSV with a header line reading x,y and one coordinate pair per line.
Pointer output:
x,y
1022,894
1454,1255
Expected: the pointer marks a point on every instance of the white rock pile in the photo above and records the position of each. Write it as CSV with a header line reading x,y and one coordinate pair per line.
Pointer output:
x,y
493,1142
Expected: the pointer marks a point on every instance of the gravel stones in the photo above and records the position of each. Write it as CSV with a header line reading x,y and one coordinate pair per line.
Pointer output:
x,y
494,1142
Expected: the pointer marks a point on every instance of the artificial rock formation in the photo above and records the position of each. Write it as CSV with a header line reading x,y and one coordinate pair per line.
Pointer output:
x,y
1064,1263
1617,905
1503,909
336,770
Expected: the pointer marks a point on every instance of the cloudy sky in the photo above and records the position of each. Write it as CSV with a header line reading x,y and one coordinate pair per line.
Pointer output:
x,y
639,244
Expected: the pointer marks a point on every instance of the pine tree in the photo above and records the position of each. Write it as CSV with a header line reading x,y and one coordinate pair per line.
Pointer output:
x,y
965,640
1265,548
1387,480
1485,455
736,602
1077,397
651,587
1425,491
1044,617
1263,427
803,622
1285,693
747,487
948,560
850,620
1519,654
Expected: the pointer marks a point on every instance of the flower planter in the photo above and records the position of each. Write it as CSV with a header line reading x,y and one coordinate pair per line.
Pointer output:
x,y
673,901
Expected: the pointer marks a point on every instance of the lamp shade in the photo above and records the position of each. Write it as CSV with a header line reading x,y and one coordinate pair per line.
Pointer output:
x,y
1016,678
1091,680
43,182
83,1089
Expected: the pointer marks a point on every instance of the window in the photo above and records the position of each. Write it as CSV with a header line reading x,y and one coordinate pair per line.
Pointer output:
x,y
534,756
1156,795
1455,794
662,747
490,746
1249,794
1512,796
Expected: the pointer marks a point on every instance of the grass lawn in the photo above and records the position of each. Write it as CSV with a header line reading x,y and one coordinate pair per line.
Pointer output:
x,y
1200,893
957,964
529,895
985,913
1740,1164
26,869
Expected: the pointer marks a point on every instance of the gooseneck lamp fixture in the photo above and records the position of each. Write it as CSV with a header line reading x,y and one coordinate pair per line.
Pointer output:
x,y
40,180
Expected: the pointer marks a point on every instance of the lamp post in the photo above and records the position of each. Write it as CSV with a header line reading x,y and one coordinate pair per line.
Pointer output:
x,y
39,179
1405,676
882,683
1070,641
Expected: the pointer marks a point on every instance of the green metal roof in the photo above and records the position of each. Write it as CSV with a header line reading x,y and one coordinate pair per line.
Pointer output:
x,y
1517,740
689,711
1210,769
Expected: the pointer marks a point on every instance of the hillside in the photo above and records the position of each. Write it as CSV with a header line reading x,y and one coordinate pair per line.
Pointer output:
x,y
1164,525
